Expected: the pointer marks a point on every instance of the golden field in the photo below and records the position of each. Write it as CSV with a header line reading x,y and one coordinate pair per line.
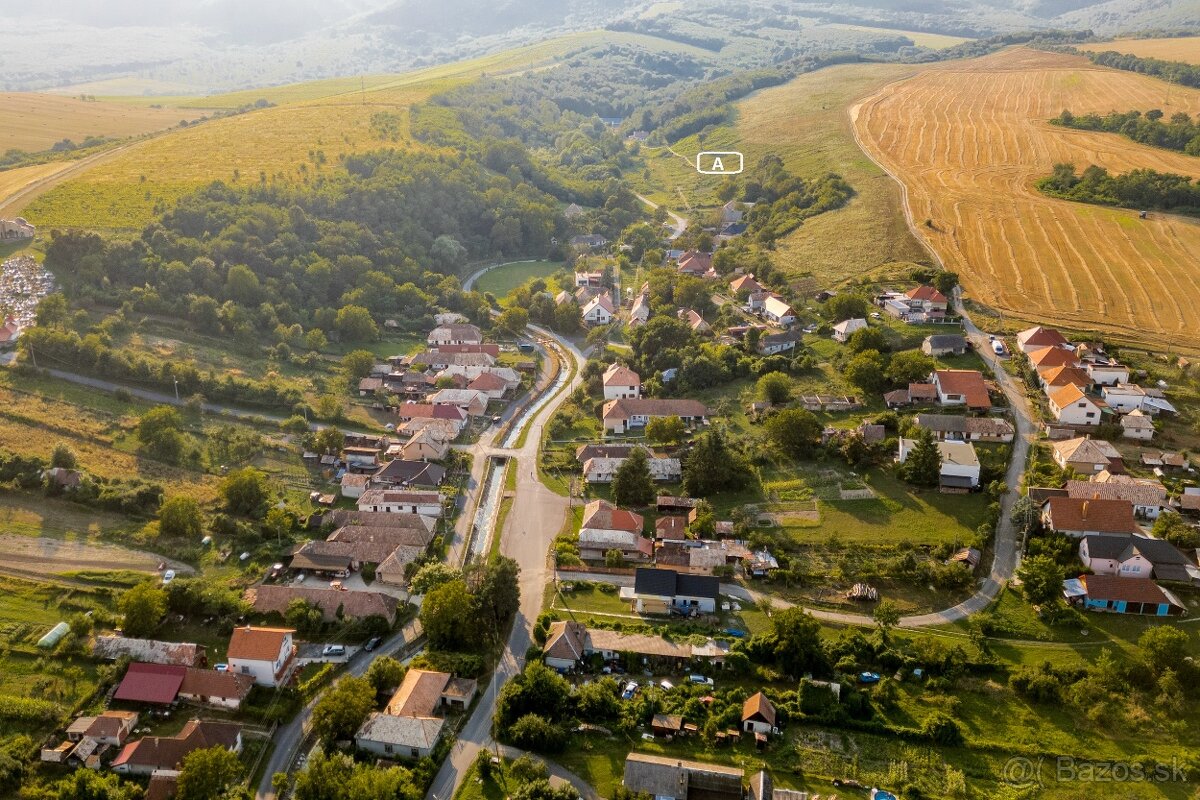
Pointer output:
x,y
34,122
968,140
1183,48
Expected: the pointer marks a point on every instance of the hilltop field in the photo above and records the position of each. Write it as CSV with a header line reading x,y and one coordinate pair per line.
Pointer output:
x,y
34,122
968,139
1184,48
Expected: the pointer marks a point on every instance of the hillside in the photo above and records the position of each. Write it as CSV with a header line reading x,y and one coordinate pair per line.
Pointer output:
x,y
35,122
968,140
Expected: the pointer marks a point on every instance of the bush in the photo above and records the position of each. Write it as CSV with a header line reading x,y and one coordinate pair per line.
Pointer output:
x,y
535,732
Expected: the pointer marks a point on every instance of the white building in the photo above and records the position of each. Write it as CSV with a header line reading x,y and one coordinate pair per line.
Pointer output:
x,y
960,463
621,382
455,334
1107,374
1070,406
843,330
778,311
1137,425
265,654
598,311
1124,397
407,737
426,504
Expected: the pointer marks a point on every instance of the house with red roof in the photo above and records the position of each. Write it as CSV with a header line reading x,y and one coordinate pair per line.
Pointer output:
x,y
1033,338
156,684
606,527
621,382
152,753
959,387
695,263
926,299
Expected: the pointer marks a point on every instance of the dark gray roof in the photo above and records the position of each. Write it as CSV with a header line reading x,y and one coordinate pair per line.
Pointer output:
x,y
1156,551
669,583
946,340
414,473
1105,546
957,481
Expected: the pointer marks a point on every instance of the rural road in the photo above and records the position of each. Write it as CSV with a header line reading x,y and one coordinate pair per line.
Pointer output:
x,y
680,223
290,735
534,519
13,204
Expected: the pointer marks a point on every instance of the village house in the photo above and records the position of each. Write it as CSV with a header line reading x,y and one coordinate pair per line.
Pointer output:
x,y
694,320
1078,517
658,591
843,330
569,644
471,402
623,415
152,753
400,473
1070,406
960,463
151,684
591,241
443,359
1039,337
603,470
744,284
16,229
971,429
214,688
266,654
1124,398
489,384
1137,425
586,452
1122,595
944,344
113,648
110,728
639,312
698,558
775,343
1148,497
410,727
453,417
427,444
620,382
778,311
1053,378
927,300
454,334
1137,557
606,527
595,279
956,387
758,715
756,301
598,311
672,778
1107,373
334,604
695,263
427,504
1047,357
1086,456
915,393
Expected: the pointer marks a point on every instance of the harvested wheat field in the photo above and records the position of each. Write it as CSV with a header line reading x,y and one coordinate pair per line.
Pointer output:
x,y
968,139
1183,48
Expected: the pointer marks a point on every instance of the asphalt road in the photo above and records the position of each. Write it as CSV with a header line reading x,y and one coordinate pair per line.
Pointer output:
x,y
290,736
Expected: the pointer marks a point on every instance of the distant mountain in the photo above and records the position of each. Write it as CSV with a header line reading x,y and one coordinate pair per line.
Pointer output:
x,y
449,19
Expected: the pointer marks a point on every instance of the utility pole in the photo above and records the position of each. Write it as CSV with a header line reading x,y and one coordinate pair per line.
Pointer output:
x,y
176,380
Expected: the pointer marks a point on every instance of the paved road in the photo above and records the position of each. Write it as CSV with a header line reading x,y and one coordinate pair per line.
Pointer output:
x,y
290,735
533,521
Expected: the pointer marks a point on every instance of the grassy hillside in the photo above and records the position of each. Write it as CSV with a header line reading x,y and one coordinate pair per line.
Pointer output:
x,y
805,122
304,134
34,122
935,41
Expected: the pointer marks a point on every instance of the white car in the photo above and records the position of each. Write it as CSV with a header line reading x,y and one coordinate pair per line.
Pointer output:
x,y
168,576
334,650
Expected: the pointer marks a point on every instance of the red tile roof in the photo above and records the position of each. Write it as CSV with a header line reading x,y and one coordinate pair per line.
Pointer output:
x,y
151,683
927,294
1045,357
603,515
258,644
1100,515
966,382
1131,590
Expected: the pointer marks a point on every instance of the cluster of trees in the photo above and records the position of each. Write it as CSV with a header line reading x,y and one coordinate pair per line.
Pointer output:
x,y
1171,71
132,496
1139,188
1179,133
782,201
460,610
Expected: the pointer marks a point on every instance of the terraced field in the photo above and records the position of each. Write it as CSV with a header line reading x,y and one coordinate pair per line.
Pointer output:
x,y
1184,48
968,139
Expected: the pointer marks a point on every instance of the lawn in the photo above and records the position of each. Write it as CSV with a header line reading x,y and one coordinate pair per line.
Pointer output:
x,y
503,279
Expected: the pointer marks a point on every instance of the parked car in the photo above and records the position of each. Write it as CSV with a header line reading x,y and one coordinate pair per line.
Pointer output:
x,y
168,576
372,643
868,677
997,347
221,667
700,679
630,690
666,684
334,650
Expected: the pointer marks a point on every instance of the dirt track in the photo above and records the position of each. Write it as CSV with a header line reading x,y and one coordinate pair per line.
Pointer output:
x,y
34,556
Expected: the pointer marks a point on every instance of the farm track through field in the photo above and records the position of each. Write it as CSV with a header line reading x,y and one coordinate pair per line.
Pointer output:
x,y
968,139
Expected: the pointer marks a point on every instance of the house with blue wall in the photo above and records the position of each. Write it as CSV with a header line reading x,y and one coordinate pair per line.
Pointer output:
x,y
1119,595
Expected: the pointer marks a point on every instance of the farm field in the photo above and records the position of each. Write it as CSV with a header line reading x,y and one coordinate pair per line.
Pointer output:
x,y
1183,48
298,140
805,123
968,139
33,122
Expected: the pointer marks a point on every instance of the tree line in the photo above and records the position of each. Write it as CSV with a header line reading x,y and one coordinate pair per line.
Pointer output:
x,y
1139,188
1179,133
1171,71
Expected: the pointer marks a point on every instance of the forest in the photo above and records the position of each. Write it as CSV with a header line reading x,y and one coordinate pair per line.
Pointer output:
x,y
1180,132
1139,188
1171,71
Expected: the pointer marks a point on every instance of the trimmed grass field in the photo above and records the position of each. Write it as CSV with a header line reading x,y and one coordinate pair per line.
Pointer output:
x,y
968,139
1182,48
503,279
934,41
32,122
